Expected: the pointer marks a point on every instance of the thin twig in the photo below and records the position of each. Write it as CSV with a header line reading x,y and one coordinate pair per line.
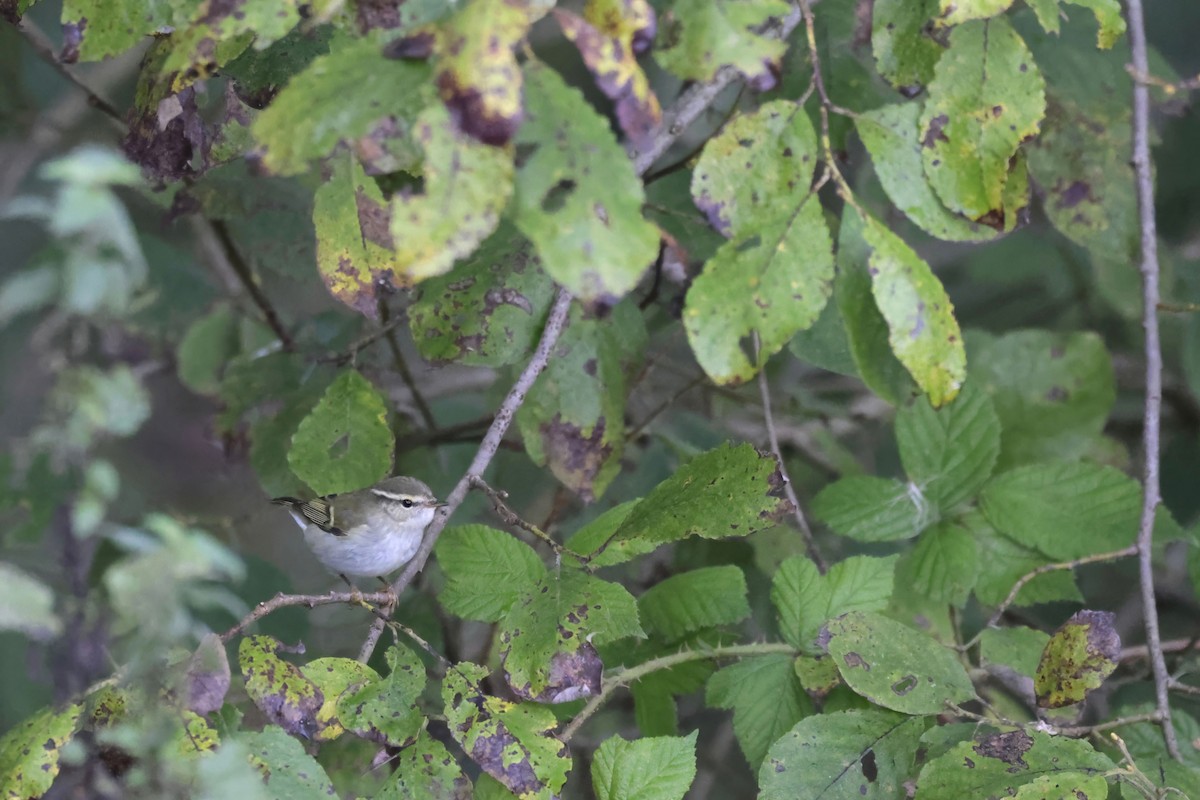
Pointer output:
x,y
351,352
282,600
402,368
694,102
1143,169
1183,688
627,676
1169,88
514,520
815,59
1095,558
810,542
556,321
246,276
45,50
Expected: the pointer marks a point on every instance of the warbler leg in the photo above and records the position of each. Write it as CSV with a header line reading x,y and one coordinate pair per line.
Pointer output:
x,y
387,587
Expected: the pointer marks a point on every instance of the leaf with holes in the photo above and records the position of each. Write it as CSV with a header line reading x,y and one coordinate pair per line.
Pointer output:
x,y
805,599
344,443
986,97
895,666
775,275
467,185
546,639
574,416
922,330
843,754
512,742
577,197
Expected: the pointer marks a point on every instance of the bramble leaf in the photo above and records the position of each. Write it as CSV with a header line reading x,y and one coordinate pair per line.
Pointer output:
x,y
345,442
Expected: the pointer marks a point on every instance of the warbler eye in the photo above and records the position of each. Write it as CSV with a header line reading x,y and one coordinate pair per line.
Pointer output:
x,y
406,503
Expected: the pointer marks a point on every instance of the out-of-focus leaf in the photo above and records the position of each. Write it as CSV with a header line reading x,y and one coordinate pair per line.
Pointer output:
x,y
218,32
512,742
1079,656
573,418
26,604
345,442
1052,391
766,698
577,197
653,767
987,95
30,752
366,89
923,332
722,493
895,666
88,403
774,276
609,36
206,347
843,754
28,290
806,599
206,681
905,52
489,309
1108,15
699,37
956,12
166,132
554,624
467,185
288,771
97,29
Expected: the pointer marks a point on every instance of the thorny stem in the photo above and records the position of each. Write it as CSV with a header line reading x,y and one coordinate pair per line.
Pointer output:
x,y
625,677
1143,169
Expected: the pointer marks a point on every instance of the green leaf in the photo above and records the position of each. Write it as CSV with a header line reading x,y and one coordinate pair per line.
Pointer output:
x,y
922,330
652,768
1079,656
1108,16
987,96
467,185
489,310
30,752
895,666
288,771
345,442
956,12
512,742
354,245
206,347
692,601
905,53
385,710
1007,561
1052,391
281,691
1064,786
360,88
766,697
573,418
487,571
825,343
547,637
476,72
1018,647
949,453
333,677
1065,510
843,755
1000,764
27,604
701,36
425,770
805,598
103,28
890,136
944,565
870,509
866,329
577,197
774,276
722,493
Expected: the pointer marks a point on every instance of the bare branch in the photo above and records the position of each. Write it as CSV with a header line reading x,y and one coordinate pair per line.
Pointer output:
x,y
1143,169
282,600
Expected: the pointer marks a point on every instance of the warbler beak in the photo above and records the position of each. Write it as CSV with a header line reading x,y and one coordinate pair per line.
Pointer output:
x,y
440,504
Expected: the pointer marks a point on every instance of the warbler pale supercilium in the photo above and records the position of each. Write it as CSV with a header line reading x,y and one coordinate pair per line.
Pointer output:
x,y
370,532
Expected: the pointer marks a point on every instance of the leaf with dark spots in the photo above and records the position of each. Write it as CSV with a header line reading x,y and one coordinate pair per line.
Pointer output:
x,y
607,37
706,35
207,678
512,742
869,768
1079,656
279,688
489,309
573,419
166,137
571,676
427,771
1009,747
933,133
385,711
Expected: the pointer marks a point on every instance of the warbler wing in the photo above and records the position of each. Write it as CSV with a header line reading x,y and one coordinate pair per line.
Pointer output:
x,y
318,511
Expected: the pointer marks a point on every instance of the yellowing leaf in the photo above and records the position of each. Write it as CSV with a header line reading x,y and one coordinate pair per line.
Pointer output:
x,y
219,31
956,12
986,97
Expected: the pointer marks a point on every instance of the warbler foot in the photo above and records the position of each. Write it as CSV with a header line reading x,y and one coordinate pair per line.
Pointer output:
x,y
391,593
